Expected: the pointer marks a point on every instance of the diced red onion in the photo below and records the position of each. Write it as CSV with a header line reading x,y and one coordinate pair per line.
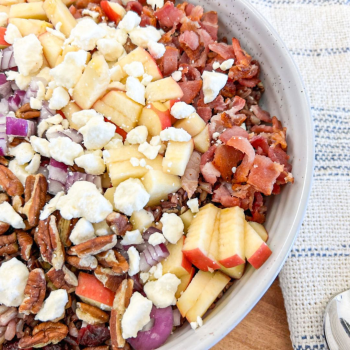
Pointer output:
x,y
55,187
46,112
4,106
176,317
58,171
33,89
77,176
72,134
20,127
148,326
3,136
137,283
144,266
5,86
44,170
162,251
14,86
15,101
149,232
152,255
8,59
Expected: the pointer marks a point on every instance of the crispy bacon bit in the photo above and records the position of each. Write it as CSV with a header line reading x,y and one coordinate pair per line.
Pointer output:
x,y
210,173
233,131
223,195
134,6
189,39
168,63
222,49
261,114
277,154
190,90
210,23
196,13
225,159
261,145
205,113
238,104
168,15
189,181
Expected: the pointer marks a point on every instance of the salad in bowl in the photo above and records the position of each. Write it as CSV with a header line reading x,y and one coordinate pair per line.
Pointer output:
x,y
135,167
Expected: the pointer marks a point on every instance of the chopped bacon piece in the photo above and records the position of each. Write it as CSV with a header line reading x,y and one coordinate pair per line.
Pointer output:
x,y
223,195
259,141
246,195
261,114
184,59
190,40
229,90
189,181
200,62
204,37
182,6
243,145
196,13
189,9
262,129
208,156
210,173
242,58
168,63
225,159
277,154
240,71
187,24
258,212
218,104
190,89
134,6
205,113
263,174
147,17
217,124
249,82
210,17
168,15
210,24
206,187
168,36
222,49
189,72
276,189
238,104
233,131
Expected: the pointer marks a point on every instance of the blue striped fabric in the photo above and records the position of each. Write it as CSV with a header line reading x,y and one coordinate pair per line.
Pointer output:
x,y
317,33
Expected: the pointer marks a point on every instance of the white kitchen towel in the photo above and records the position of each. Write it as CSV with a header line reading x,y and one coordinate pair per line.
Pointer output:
x,y
317,33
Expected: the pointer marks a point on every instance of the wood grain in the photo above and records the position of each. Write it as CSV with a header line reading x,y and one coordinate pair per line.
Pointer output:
x,y
265,327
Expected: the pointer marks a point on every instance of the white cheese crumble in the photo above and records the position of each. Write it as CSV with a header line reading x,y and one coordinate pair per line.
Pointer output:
x,y
19,171
144,277
234,169
137,135
24,153
13,279
59,98
177,75
175,134
40,145
116,142
157,50
216,65
82,117
173,227
34,164
3,19
130,21
137,314
50,207
54,306
155,3
162,292
146,79
193,205
227,64
132,237
135,90
64,150
110,48
243,126
134,69
90,13
36,103
92,163
88,261
149,151
181,110
134,261
216,135
102,229
135,161
156,238
141,36
12,33
156,271
84,200
212,84
130,196
9,215
82,232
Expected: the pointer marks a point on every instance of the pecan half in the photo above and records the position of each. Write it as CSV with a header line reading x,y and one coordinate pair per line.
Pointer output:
x,y
35,197
25,112
120,303
88,263
109,278
8,244
9,182
63,279
65,228
44,334
47,238
17,204
4,198
91,314
94,246
25,242
4,161
114,260
34,292
118,223
3,227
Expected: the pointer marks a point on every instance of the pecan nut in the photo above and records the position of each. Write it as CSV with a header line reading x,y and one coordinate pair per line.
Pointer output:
x,y
44,334
65,228
9,182
17,204
94,246
8,244
3,227
34,292
4,198
120,303
35,197
25,242
4,161
47,238
114,260
88,263
26,112
109,278
91,314
63,279
118,223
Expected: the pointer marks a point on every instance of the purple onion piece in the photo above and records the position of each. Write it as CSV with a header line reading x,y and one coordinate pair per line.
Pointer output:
x,y
176,317
149,259
8,60
144,266
46,112
153,253
5,86
55,187
162,250
4,106
58,171
20,127
44,170
77,176
74,135
3,146
137,283
33,89
15,101
149,232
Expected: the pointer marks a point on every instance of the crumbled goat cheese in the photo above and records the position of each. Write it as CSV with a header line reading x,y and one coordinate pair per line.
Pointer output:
x,y
12,33
91,163
181,110
162,292
137,135
130,21
36,103
97,133
135,90
155,141
156,50
146,79
84,200
55,120
134,261
54,306
137,315
102,229
216,65
149,151
19,171
132,237
85,34
50,207
227,64
234,169
155,3
90,13
28,54
88,261
24,153
156,238
34,164
173,227
82,232
115,142
193,205
134,69
212,84
82,117
3,19
64,150
110,48
175,134
134,161
216,135
141,36
130,195
13,279
9,215
144,277
156,271
59,98
177,75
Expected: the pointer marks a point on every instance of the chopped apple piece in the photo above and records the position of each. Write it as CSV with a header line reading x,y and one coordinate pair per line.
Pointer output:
x,y
92,84
193,124
31,26
176,263
202,140
141,220
163,90
210,292
92,291
260,230
177,156
109,195
113,10
192,293
256,250
70,48
10,2
159,185
122,153
156,117
57,11
119,109
187,218
33,10
199,236
52,47
5,9
68,112
3,43
185,281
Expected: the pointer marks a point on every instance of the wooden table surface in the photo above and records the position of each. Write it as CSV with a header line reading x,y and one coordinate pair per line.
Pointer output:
x,y
265,327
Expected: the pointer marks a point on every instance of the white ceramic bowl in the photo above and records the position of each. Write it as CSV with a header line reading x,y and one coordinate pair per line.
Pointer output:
x,y
286,98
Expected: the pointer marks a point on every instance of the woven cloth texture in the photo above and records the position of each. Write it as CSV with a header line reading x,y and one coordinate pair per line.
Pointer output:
x,y
317,33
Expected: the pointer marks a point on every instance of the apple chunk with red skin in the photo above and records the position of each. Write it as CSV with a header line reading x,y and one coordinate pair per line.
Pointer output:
x,y
163,90
256,250
185,281
113,10
3,43
92,291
